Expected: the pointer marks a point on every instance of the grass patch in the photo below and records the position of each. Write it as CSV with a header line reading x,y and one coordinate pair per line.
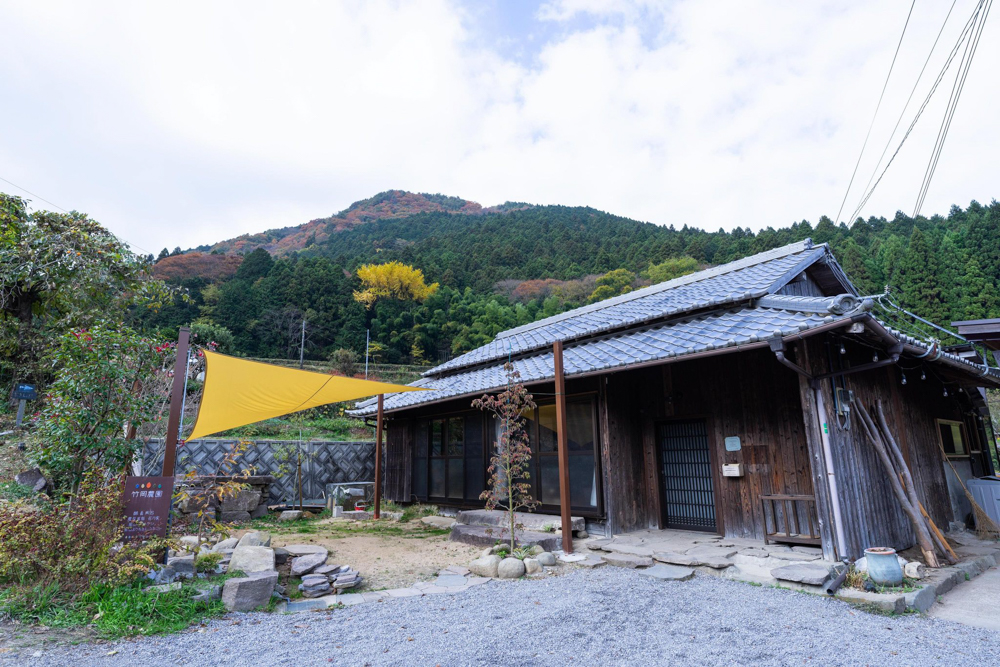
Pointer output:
x,y
15,491
113,612
417,511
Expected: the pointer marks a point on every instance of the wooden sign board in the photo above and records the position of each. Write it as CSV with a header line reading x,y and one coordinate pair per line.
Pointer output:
x,y
147,507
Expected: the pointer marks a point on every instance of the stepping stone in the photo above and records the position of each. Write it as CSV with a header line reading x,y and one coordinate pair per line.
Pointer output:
x,y
630,549
702,552
795,555
668,572
597,544
806,573
716,563
348,599
592,561
808,550
373,596
403,592
571,558
451,580
754,552
306,605
627,560
675,559
456,569
476,581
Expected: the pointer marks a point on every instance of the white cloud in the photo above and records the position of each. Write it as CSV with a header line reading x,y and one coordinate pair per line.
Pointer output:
x,y
188,123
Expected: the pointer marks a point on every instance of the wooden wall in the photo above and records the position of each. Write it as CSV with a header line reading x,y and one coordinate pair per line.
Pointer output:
x,y
872,516
398,460
745,394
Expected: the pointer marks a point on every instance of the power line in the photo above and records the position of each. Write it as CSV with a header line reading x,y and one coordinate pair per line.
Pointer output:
x,y
875,115
951,56
907,105
957,88
135,245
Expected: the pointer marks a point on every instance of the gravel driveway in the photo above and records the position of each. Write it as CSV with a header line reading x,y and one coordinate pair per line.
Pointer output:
x,y
608,616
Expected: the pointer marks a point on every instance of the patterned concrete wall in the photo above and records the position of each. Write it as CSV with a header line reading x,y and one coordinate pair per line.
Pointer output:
x,y
322,463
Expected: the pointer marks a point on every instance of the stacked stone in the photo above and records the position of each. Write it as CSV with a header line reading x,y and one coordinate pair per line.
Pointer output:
x,y
250,503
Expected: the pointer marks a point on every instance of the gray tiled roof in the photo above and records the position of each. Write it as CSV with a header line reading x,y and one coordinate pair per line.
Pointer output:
x,y
726,329
719,286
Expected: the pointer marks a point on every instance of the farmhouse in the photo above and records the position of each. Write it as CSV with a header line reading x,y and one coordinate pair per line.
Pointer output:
x,y
722,401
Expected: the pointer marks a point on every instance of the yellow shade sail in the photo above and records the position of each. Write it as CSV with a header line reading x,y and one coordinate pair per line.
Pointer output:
x,y
239,392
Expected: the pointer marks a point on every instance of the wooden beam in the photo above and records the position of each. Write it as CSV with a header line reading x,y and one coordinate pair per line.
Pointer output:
x,y
563,444
378,459
176,401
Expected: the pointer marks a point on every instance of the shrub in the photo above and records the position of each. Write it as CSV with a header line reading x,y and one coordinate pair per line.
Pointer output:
x,y
207,562
72,544
345,361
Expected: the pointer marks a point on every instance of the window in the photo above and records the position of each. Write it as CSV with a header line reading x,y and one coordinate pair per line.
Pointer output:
x,y
580,433
952,437
448,458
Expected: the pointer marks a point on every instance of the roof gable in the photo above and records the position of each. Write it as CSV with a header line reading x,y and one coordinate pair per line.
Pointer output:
x,y
728,284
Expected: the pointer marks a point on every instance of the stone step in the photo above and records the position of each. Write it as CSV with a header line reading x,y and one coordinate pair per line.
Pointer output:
x,y
477,536
531,521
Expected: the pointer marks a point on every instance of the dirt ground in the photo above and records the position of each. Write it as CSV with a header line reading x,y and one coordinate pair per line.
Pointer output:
x,y
17,637
388,555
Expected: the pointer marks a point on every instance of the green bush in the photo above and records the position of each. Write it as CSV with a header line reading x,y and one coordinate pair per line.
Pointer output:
x,y
75,543
207,562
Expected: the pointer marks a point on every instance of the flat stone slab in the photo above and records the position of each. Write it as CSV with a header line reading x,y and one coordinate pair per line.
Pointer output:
x,y
532,522
348,599
806,573
303,549
403,592
455,569
451,580
295,606
438,521
716,563
668,572
308,563
627,560
477,536
630,549
702,552
795,555
571,558
754,552
592,561
596,544
675,558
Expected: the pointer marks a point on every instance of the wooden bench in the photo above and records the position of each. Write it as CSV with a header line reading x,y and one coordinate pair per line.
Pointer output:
x,y
799,527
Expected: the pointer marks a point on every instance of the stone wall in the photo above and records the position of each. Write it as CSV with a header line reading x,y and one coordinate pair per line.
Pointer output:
x,y
249,503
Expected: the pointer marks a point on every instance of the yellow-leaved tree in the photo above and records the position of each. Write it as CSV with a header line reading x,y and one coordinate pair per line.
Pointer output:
x,y
394,280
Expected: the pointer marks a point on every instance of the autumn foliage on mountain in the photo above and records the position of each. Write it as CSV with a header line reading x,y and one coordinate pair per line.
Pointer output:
x,y
211,267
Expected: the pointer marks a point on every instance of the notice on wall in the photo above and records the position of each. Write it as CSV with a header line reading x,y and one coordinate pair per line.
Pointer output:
x,y
147,507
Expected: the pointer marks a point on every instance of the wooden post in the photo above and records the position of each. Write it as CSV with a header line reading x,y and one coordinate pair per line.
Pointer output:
x,y
378,459
176,401
563,444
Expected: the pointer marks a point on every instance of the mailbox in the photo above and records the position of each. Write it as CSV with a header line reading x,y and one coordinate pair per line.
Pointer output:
x,y
732,470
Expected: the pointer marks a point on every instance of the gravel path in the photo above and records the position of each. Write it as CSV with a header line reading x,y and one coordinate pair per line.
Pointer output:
x,y
608,616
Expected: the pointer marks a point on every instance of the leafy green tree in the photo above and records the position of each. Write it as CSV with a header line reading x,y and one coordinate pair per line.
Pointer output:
x,y
920,281
101,386
980,295
669,269
613,283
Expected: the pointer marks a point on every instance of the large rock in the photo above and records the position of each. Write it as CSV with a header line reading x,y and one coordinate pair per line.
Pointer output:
x,y
510,568
256,538
805,573
546,558
438,521
308,563
181,566
247,593
532,566
252,559
242,501
228,543
234,517
290,515
485,566
32,478
484,536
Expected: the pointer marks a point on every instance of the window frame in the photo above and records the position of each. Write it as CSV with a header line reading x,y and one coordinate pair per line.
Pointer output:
x,y
963,431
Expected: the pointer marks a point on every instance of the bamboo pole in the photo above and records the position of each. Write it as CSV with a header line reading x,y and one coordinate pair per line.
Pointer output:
x,y
563,444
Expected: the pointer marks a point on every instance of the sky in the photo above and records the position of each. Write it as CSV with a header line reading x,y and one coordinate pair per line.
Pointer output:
x,y
185,123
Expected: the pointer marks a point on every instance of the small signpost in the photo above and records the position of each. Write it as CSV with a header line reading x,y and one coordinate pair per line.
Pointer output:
x,y
147,507
23,392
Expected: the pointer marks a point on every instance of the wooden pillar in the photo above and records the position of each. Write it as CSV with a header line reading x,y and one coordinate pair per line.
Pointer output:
x,y
176,401
563,444
378,459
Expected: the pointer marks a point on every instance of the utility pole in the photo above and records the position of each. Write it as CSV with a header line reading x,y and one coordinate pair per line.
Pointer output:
x,y
368,333
302,343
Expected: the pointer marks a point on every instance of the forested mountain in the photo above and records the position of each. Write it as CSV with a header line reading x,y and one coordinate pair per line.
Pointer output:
x,y
497,268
